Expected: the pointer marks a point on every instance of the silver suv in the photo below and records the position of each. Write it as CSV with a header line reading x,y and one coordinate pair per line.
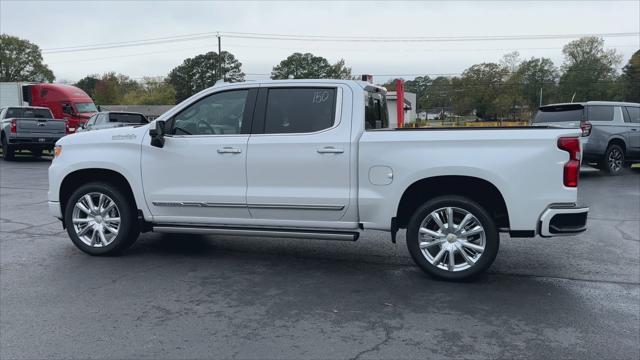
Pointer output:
x,y
610,130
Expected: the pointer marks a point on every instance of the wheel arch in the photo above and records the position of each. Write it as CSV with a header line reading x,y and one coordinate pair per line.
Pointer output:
x,y
618,141
479,190
77,178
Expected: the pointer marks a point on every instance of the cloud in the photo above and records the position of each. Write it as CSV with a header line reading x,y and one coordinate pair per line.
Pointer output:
x,y
54,24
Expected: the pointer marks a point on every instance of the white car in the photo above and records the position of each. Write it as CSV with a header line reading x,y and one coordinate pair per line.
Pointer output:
x,y
315,159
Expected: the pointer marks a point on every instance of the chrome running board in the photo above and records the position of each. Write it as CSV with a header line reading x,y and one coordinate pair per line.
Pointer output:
x,y
267,232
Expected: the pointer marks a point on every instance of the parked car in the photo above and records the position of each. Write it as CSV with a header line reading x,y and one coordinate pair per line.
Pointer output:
x,y
314,159
29,128
111,119
610,130
65,101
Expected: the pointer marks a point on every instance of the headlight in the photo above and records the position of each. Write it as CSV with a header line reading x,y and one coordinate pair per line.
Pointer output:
x,y
57,151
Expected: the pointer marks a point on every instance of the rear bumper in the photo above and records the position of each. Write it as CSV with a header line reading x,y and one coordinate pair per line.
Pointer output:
x,y
43,142
561,220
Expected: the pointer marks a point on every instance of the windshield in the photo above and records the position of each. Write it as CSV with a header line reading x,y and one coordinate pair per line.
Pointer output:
x,y
127,118
375,111
28,113
558,115
86,107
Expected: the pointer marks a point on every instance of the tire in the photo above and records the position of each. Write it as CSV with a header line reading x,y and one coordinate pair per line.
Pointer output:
x,y
480,248
7,150
613,161
85,234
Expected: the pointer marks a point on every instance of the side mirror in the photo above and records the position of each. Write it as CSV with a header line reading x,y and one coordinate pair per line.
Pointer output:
x,y
157,134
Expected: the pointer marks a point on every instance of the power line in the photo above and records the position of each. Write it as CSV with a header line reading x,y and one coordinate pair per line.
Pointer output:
x,y
232,45
321,38
419,38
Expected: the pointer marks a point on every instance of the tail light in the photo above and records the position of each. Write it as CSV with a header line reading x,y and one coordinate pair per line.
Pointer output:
x,y
585,126
571,167
13,127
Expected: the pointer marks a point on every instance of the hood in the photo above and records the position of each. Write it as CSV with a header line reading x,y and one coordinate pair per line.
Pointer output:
x,y
85,115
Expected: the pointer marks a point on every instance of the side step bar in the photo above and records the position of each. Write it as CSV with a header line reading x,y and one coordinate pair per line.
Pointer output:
x,y
267,232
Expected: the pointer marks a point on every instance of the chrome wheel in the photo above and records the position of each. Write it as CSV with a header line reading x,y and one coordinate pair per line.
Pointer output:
x,y
96,219
615,160
452,239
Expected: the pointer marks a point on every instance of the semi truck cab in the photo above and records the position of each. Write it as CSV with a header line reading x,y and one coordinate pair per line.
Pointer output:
x,y
65,101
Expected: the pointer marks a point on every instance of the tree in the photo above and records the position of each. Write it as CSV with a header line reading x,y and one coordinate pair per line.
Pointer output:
x,y
151,92
589,71
534,75
112,88
437,95
200,72
509,99
390,85
309,66
630,78
340,71
479,88
21,60
88,84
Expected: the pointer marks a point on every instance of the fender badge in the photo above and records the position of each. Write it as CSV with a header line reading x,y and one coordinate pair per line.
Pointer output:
x,y
123,137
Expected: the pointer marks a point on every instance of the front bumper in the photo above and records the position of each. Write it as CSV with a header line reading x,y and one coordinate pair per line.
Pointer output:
x,y
563,220
54,209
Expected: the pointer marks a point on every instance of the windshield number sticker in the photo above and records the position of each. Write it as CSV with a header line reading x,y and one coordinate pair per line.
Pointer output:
x,y
320,97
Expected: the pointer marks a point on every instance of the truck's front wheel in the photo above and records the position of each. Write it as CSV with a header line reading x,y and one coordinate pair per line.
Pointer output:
x,y
452,237
100,219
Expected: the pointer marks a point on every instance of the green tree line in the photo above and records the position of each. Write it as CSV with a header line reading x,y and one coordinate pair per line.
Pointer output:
x,y
509,88
514,87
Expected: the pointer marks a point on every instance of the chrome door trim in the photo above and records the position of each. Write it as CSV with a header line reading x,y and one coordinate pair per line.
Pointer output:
x,y
265,232
252,206
297,206
197,204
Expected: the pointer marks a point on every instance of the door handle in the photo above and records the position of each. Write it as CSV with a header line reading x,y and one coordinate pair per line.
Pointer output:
x,y
229,150
330,150
634,129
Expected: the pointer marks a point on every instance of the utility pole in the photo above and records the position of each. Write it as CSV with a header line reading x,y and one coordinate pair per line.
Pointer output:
x,y
220,57
540,95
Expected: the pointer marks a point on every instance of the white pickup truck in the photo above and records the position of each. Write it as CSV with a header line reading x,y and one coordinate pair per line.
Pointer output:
x,y
314,159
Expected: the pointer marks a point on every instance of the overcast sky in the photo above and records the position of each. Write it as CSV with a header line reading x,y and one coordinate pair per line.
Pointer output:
x,y
55,24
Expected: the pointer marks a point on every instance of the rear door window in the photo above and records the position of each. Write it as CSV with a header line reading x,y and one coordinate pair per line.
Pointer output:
x,y
299,110
600,113
634,114
28,113
375,111
101,120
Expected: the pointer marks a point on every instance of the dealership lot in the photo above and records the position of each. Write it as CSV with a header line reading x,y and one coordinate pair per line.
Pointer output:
x,y
194,296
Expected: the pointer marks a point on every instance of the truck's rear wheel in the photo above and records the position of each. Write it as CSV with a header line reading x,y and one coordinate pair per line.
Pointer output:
x,y
452,237
7,150
100,219
613,161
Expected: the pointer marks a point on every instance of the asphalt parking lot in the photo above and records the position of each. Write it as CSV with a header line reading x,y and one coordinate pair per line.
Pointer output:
x,y
248,298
